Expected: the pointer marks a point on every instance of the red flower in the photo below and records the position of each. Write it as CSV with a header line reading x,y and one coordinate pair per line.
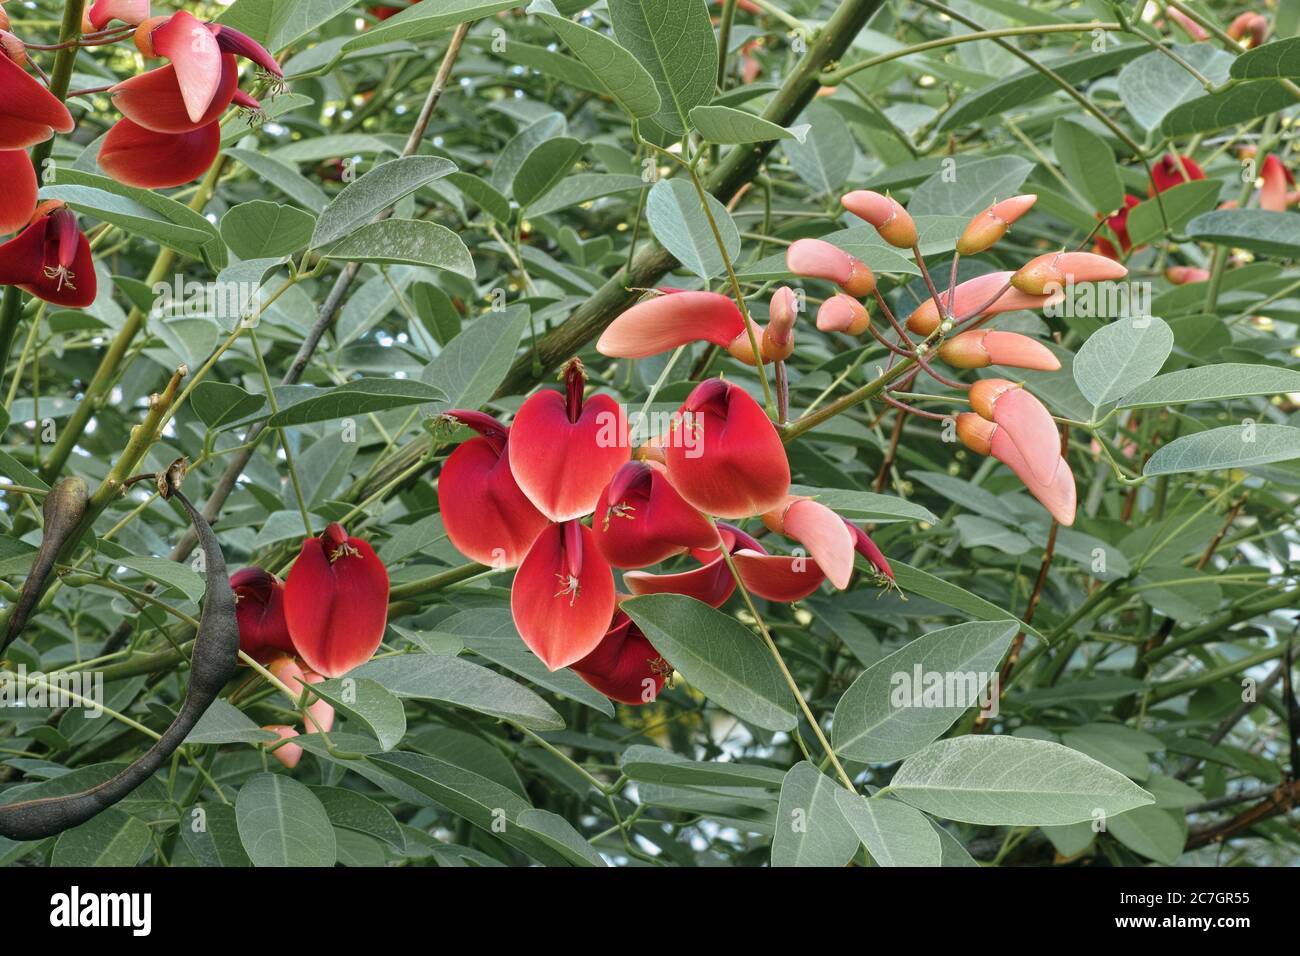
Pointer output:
x,y
1173,170
336,602
563,450
1118,224
29,113
487,517
641,519
19,177
562,598
1273,194
726,458
140,157
624,666
1024,419
153,99
51,259
259,608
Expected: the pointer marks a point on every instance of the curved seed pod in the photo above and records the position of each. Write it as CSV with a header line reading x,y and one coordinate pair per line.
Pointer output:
x,y
63,510
212,664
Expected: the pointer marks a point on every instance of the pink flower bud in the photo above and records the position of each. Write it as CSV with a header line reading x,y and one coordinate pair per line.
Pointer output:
x,y
818,259
981,348
1053,270
891,220
843,313
992,224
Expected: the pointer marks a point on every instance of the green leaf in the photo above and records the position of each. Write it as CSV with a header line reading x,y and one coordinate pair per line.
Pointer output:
x,y
1023,87
544,167
356,398
367,702
866,505
461,684
972,185
1151,832
278,23
674,41
1213,383
473,364
1089,164
223,723
724,124
483,194
178,578
282,823
557,833
936,589
111,838
265,230
411,241
220,403
483,802
421,21
893,833
1214,111
212,836
674,212
627,81
1281,58
718,655
810,828
360,201
653,765
1012,781
1182,202
584,187
1259,230
1155,83
354,811
824,157
887,713
1119,357
1232,446
505,165
491,634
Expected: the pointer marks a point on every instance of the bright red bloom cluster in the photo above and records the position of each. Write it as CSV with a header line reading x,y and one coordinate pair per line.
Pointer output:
x,y
1172,170
517,495
325,619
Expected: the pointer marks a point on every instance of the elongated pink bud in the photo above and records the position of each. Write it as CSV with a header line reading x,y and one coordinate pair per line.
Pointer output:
x,y
817,259
664,322
287,754
989,293
1182,275
1192,28
891,220
992,224
981,348
843,313
778,337
1024,418
1054,270
1276,180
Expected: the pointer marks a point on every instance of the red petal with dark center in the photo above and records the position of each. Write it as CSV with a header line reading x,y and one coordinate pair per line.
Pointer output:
x,y
153,99
336,602
778,577
259,608
562,598
19,180
193,50
487,517
624,666
724,456
136,156
641,519
562,465
53,264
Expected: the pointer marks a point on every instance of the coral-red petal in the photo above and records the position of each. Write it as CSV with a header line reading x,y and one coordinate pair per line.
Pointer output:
x,y
641,519
624,666
777,577
560,614
487,517
153,99
336,609
136,156
19,180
